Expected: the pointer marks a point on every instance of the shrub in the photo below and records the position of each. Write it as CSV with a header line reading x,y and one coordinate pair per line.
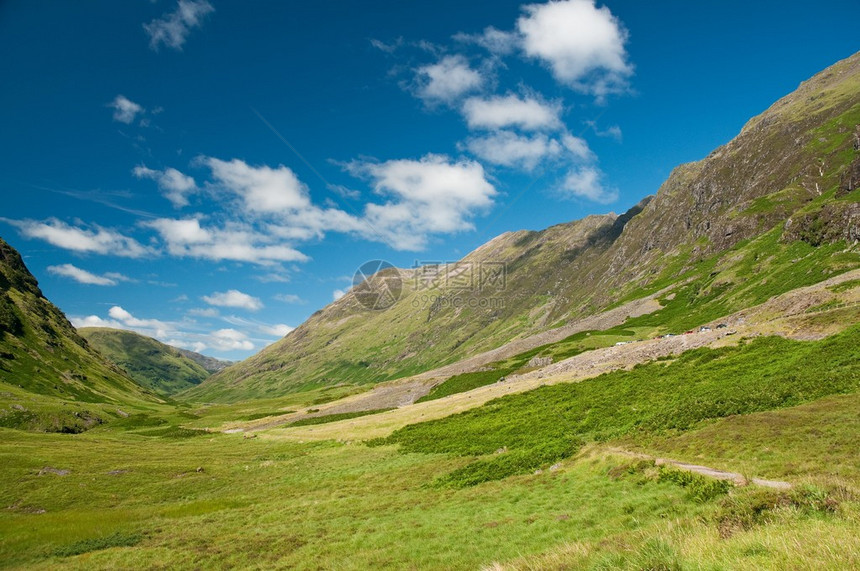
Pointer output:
x,y
699,488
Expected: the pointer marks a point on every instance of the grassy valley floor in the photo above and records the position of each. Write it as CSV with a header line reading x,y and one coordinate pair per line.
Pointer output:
x,y
149,491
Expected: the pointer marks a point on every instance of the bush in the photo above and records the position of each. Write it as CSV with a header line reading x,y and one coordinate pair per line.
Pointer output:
x,y
506,464
699,488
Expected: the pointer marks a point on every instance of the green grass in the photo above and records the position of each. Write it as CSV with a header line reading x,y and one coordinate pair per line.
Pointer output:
x,y
264,503
844,286
795,443
651,399
269,503
116,539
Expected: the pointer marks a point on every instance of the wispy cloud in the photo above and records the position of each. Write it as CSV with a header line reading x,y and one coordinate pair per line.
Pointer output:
x,y
84,277
492,39
238,241
234,298
446,80
278,330
290,298
175,185
203,312
586,182
97,240
527,113
173,28
509,149
125,110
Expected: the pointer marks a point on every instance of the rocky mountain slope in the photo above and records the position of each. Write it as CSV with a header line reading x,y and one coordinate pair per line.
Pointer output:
x,y
209,364
45,366
775,208
151,363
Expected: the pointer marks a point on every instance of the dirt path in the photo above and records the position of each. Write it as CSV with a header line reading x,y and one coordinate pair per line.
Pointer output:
x,y
734,477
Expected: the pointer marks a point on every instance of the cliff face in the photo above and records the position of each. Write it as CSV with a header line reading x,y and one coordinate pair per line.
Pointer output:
x,y
792,171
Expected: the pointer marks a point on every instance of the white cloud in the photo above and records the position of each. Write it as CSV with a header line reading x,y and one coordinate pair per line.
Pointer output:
x,y
582,44
98,240
289,298
262,189
428,196
175,185
511,111
234,298
578,147
493,40
122,319
197,346
337,294
230,241
84,277
96,321
585,182
526,152
124,109
447,80
172,28
230,340
279,197
433,195
278,330
511,150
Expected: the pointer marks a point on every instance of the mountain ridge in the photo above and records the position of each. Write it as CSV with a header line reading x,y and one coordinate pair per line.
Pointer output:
x,y
149,362
785,170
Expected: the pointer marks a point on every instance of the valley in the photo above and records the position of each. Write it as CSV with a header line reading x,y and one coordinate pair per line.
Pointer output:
x,y
675,387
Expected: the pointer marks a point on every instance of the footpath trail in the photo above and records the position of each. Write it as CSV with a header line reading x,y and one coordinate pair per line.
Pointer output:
x,y
735,477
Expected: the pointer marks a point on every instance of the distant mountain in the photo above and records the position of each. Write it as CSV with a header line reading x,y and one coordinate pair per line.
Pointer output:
x,y
775,208
151,363
44,360
210,364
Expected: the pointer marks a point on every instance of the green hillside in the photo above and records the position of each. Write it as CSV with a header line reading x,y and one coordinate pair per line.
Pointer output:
x,y
733,224
50,378
151,363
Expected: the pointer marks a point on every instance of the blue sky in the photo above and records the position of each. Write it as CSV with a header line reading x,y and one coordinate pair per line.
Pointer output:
x,y
212,172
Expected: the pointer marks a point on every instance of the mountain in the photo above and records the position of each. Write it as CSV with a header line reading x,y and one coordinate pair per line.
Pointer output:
x,y
209,364
45,365
151,363
774,209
